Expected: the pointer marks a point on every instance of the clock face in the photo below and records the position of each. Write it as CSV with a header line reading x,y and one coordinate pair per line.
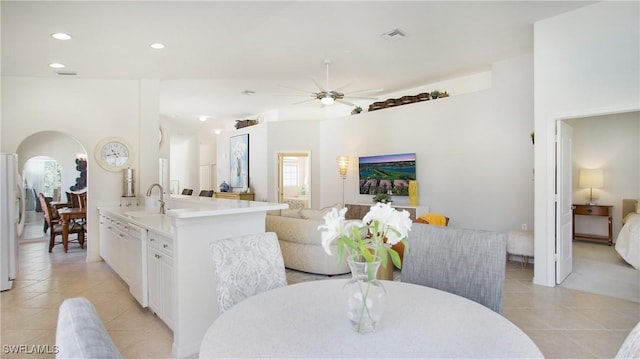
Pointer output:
x,y
114,154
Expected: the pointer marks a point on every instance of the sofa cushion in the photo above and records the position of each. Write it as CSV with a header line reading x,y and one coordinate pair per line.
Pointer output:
x,y
318,214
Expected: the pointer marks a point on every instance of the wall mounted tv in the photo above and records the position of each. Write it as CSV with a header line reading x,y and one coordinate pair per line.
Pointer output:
x,y
387,173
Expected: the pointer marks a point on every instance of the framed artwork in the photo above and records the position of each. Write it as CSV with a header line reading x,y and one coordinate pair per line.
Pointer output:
x,y
387,174
239,161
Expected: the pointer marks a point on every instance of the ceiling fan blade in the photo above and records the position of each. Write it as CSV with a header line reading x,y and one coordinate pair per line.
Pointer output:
x,y
345,102
360,97
299,102
318,85
343,86
364,91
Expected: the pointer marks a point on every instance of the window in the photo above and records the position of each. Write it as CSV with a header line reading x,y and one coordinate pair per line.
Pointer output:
x,y
290,174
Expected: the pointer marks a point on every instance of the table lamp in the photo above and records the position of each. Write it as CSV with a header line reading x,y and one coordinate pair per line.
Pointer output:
x,y
590,178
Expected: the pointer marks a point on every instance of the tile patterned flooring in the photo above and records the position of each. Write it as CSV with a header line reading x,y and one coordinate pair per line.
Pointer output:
x,y
563,323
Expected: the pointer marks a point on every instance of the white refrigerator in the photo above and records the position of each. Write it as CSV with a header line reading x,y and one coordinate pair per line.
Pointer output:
x,y
11,218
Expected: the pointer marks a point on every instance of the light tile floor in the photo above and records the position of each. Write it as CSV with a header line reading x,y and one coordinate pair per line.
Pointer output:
x,y
564,323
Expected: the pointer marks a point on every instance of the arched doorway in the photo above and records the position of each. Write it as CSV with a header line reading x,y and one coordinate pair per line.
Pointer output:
x,y
48,161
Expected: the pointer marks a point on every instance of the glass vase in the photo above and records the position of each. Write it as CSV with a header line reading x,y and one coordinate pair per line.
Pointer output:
x,y
365,295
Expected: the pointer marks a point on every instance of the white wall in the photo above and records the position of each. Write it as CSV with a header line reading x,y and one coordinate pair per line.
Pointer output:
x,y
184,162
586,62
88,110
610,143
474,157
474,154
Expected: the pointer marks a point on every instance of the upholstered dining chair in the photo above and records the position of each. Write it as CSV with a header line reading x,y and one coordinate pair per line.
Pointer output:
x,y
630,348
466,262
206,193
245,266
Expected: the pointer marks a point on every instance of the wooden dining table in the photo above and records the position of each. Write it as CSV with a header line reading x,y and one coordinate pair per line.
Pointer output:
x,y
66,216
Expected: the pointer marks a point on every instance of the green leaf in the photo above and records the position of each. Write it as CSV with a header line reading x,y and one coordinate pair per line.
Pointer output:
x,y
395,258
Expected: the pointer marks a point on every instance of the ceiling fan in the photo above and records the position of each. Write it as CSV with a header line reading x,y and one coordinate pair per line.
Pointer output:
x,y
328,96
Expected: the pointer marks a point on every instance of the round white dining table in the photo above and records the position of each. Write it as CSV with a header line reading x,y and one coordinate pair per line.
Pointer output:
x,y
309,320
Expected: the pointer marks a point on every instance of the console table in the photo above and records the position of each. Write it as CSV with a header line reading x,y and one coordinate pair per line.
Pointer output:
x,y
358,210
236,195
592,210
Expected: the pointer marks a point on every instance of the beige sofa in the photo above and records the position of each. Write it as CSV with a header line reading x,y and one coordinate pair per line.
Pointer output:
x,y
300,242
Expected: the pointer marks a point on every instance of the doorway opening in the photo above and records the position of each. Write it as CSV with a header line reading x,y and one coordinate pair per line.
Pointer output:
x,y
294,179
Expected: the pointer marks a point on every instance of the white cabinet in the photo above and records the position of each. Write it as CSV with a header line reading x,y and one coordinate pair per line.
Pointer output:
x,y
160,276
137,264
114,245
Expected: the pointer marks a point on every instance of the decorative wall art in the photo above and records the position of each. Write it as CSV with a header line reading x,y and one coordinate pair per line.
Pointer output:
x,y
387,174
239,161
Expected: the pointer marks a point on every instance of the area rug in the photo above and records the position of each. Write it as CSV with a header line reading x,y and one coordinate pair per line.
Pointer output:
x,y
599,269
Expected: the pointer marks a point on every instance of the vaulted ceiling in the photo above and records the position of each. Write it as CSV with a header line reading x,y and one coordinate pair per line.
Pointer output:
x,y
215,50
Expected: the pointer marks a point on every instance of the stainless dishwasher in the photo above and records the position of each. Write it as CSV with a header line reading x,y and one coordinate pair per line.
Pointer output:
x,y
137,264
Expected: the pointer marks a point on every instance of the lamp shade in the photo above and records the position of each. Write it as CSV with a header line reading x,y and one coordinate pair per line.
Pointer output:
x,y
590,178
343,166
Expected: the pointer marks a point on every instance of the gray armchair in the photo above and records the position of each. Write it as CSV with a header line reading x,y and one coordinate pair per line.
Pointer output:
x,y
469,263
245,266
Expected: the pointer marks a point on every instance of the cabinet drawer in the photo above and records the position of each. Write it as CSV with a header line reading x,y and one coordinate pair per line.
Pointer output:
x,y
592,210
154,241
166,245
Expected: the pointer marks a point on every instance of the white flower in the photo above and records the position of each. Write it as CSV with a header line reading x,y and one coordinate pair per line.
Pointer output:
x,y
393,225
366,238
332,228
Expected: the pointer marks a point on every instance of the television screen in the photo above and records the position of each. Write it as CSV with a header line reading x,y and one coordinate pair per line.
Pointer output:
x,y
387,173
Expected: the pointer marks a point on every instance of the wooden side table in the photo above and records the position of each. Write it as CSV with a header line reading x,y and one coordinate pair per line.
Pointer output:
x,y
592,210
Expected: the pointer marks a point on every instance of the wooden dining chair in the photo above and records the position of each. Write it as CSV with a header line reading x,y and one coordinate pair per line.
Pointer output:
x,y
466,262
55,227
50,216
245,266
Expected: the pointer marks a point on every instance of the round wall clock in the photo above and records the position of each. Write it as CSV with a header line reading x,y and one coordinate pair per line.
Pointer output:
x,y
114,154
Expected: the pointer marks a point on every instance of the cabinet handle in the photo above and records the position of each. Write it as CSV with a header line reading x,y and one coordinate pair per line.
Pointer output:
x,y
164,246
152,239
589,210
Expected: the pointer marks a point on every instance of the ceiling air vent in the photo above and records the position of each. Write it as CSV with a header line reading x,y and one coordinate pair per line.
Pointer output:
x,y
394,34
67,73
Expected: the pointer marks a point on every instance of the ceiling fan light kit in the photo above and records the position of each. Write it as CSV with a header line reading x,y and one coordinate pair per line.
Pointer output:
x,y
328,96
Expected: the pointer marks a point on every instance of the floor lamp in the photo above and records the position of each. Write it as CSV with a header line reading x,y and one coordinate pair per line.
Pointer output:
x,y
343,168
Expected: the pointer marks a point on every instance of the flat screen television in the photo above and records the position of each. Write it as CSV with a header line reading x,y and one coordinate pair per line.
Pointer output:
x,y
387,173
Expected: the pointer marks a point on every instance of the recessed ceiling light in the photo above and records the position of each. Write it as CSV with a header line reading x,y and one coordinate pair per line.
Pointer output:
x,y
61,36
202,118
248,92
157,46
56,65
217,131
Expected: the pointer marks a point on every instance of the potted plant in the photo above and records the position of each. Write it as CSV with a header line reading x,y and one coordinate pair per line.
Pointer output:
x,y
356,110
434,94
382,197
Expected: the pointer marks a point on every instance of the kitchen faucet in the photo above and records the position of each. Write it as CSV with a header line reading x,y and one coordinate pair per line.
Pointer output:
x,y
161,195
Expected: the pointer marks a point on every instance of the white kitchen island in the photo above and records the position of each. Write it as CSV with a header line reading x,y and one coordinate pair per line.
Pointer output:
x,y
183,234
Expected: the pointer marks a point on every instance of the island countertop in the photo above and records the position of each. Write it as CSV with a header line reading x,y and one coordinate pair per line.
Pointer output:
x,y
185,207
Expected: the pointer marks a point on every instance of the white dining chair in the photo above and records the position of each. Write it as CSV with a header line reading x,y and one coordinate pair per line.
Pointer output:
x,y
245,266
466,262
630,348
